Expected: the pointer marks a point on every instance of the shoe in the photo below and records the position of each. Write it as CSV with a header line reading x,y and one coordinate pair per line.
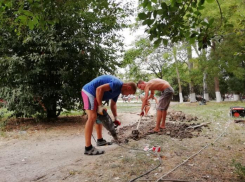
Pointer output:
x,y
94,151
102,143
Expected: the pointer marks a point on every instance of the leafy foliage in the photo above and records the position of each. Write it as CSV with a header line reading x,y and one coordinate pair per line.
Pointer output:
x,y
145,60
135,58
49,54
227,59
176,20
218,24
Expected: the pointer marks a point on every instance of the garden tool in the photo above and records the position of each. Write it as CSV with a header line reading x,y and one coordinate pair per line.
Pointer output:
x,y
135,133
107,122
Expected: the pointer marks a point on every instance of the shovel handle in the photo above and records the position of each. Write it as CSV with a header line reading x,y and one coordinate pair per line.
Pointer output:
x,y
139,122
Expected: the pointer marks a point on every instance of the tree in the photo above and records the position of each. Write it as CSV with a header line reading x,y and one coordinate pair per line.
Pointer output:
x,y
229,53
177,20
205,22
158,62
190,68
233,16
202,57
135,59
178,75
45,64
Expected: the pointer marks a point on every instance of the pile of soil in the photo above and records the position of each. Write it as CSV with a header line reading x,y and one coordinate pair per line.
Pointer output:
x,y
174,130
180,116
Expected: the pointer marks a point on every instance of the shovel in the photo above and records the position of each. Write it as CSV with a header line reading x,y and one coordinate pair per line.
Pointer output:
x,y
135,133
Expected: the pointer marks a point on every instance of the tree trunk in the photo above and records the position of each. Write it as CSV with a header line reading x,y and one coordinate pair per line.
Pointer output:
x,y
180,88
181,100
178,77
205,87
190,67
203,58
236,97
52,112
217,92
216,79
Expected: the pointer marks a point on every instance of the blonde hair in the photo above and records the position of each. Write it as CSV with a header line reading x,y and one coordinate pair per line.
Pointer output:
x,y
140,82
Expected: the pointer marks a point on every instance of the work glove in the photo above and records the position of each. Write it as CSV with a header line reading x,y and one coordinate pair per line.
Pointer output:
x,y
100,110
116,123
142,113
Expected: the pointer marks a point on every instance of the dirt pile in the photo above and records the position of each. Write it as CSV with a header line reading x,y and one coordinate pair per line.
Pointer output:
x,y
180,116
174,130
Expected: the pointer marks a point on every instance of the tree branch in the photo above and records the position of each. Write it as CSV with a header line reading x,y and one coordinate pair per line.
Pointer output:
x,y
221,15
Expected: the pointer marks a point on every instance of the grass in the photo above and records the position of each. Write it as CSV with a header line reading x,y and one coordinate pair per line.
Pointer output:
x,y
215,161
72,113
128,107
4,114
210,110
228,146
239,169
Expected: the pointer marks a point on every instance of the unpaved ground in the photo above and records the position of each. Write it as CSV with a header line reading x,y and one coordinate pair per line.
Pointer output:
x,y
39,152
54,152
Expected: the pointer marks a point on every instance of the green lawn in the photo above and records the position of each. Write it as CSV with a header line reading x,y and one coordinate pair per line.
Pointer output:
x,y
212,110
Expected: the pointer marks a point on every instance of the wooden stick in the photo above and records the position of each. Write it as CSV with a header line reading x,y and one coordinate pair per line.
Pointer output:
x,y
237,121
173,180
197,126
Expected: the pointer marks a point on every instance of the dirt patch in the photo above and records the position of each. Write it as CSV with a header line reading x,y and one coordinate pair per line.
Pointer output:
x,y
173,129
58,124
53,151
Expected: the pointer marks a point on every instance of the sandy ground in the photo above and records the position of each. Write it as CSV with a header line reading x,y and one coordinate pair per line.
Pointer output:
x,y
44,153
54,151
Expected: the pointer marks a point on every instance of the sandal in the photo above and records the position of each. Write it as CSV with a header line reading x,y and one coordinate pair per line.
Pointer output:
x,y
162,129
152,131
94,151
